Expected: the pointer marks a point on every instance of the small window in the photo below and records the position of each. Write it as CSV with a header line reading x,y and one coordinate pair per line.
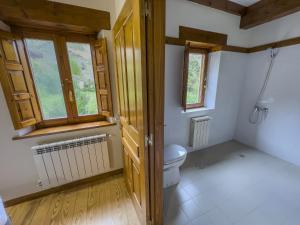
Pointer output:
x,y
80,60
194,77
46,77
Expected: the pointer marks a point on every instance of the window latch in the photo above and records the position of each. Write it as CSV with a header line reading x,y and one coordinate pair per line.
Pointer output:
x,y
149,140
71,96
147,9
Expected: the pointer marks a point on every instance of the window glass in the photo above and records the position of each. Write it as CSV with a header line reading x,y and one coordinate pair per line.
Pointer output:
x,y
46,77
194,79
80,60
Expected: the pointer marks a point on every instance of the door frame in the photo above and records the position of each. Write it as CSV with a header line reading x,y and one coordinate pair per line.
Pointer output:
x,y
154,22
155,50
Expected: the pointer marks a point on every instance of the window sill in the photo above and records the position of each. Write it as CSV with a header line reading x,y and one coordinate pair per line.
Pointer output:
x,y
202,109
64,129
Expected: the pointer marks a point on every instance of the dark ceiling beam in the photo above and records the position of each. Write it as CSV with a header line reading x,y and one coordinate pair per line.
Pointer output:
x,y
267,10
224,5
203,36
4,26
41,13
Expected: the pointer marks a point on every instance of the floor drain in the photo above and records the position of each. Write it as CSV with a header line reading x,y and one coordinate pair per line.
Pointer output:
x,y
242,156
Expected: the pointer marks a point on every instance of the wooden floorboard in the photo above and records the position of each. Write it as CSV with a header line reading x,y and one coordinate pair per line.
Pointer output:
x,y
106,203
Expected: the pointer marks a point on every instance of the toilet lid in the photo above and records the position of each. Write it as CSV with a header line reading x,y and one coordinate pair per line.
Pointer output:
x,y
174,153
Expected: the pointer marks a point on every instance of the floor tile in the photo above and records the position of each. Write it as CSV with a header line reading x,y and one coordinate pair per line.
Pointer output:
x,y
192,209
204,203
202,220
257,218
218,217
177,217
233,184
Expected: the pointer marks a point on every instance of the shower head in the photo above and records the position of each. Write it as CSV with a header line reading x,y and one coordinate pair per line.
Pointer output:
x,y
274,52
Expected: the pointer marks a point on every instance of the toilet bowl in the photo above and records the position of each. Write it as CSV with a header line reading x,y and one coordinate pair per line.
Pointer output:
x,y
174,157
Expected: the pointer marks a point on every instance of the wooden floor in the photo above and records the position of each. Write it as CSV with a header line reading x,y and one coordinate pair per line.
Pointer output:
x,y
105,203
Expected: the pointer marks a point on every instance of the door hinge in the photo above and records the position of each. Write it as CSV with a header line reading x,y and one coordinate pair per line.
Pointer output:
x,y
149,140
147,9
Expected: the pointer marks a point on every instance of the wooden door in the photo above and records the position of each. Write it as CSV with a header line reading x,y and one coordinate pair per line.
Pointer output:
x,y
130,55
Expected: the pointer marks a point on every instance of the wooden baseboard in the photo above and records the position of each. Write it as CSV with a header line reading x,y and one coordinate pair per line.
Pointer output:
x,y
63,187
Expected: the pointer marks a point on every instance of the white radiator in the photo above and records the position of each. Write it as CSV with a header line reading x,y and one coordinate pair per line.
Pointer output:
x,y
66,161
199,132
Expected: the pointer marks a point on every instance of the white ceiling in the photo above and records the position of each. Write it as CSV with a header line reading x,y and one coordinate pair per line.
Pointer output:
x,y
245,2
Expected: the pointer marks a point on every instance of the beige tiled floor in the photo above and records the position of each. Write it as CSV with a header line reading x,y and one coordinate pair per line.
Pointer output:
x,y
232,184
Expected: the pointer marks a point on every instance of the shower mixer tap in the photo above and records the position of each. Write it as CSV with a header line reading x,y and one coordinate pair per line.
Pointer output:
x,y
261,108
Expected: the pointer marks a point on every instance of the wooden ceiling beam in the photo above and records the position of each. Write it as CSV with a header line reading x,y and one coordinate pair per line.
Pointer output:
x,y
224,5
267,10
4,26
203,36
41,13
210,47
259,13
278,44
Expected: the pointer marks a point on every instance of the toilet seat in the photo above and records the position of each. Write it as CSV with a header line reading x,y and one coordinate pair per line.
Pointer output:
x,y
173,154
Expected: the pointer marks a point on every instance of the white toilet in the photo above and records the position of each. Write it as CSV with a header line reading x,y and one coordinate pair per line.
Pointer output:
x,y
174,157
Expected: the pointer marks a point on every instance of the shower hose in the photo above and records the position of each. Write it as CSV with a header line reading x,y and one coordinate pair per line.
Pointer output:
x,y
260,112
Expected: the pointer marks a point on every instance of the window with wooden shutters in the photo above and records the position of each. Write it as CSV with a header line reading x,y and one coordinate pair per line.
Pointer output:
x,y
55,79
194,77
17,83
102,77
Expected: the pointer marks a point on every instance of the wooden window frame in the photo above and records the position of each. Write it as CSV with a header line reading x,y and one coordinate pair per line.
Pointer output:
x,y
203,76
60,40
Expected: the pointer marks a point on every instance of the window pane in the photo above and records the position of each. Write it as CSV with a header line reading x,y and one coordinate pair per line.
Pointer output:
x,y
194,78
83,78
46,78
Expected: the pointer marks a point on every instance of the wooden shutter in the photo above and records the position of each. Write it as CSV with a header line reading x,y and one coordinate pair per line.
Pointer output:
x,y
102,80
185,76
17,83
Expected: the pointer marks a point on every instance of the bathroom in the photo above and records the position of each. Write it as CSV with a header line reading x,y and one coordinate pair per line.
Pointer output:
x,y
164,112
240,154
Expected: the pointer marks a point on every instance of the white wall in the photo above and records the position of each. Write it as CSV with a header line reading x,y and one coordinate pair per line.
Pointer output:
x,y
240,75
177,123
118,6
18,175
276,30
228,68
186,13
279,134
